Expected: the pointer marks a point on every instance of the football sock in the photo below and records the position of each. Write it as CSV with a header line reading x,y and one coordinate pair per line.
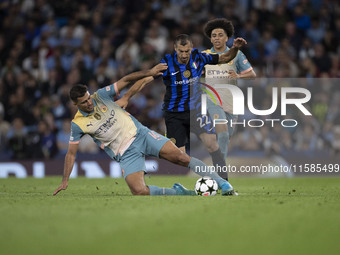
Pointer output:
x,y
223,142
156,191
219,163
198,167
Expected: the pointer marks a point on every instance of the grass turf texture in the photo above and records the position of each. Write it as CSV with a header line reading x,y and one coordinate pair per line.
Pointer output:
x,y
99,216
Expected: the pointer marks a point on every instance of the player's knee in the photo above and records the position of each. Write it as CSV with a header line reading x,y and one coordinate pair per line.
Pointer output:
x,y
212,146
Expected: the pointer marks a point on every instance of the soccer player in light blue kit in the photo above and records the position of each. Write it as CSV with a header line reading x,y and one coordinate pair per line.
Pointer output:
x,y
126,140
219,31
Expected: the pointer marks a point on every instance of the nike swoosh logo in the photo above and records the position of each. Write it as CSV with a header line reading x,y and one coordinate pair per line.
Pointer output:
x,y
174,73
89,125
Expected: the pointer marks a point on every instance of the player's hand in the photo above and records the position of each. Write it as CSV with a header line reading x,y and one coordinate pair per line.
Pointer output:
x,y
239,42
157,69
63,186
122,102
233,74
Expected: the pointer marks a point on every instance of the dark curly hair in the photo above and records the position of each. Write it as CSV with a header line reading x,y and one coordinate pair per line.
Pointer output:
x,y
225,24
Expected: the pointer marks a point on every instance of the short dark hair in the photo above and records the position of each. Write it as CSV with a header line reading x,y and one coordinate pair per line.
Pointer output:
x,y
222,23
182,39
76,91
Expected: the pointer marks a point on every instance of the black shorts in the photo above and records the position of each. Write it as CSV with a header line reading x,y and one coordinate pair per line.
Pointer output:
x,y
177,127
180,124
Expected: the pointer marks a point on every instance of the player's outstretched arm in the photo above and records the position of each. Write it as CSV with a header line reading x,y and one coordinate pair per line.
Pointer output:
x,y
157,70
138,86
68,166
231,53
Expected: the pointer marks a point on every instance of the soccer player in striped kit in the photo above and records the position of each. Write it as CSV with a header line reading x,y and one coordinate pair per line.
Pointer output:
x,y
182,81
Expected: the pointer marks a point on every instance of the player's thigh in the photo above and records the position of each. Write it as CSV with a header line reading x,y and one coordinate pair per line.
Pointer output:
x,y
133,160
177,127
216,112
136,183
153,143
162,147
200,124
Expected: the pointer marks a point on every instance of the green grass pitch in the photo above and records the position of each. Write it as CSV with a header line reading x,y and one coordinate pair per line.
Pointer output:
x,y
99,216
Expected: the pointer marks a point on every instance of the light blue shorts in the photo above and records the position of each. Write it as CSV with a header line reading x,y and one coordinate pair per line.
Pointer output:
x,y
217,111
147,143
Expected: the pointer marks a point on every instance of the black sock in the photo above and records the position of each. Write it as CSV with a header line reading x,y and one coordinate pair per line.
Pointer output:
x,y
219,163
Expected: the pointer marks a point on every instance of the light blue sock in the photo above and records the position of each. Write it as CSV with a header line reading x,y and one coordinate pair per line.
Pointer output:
x,y
157,191
223,142
198,167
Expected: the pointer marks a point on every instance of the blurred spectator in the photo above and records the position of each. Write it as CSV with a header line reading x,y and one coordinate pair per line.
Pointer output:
x,y
10,70
156,37
336,141
16,138
101,78
335,71
302,19
249,139
59,110
131,48
48,143
320,107
278,19
108,63
321,60
306,139
63,137
307,49
294,37
72,30
36,67
252,35
330,42
307,68
270,44
4,129
196,11
316,32
172,12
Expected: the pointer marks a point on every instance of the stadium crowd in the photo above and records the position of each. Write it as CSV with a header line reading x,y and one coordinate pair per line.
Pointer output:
x,y
47,46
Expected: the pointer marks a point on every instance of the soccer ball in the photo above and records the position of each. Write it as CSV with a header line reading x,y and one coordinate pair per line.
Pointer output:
x,y
205,186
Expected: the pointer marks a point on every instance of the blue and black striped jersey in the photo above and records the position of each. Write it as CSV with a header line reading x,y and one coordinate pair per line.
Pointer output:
x,y
182,81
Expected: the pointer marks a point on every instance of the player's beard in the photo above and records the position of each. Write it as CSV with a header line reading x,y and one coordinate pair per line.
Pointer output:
x,y
184,60
90,108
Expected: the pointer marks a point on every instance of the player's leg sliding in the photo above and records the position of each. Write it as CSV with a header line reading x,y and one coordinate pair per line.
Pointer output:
x,y
177,189
173,154
198,167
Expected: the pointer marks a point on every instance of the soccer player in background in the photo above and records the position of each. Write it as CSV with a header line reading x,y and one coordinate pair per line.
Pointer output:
x,y
219,31
125,139
182,81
